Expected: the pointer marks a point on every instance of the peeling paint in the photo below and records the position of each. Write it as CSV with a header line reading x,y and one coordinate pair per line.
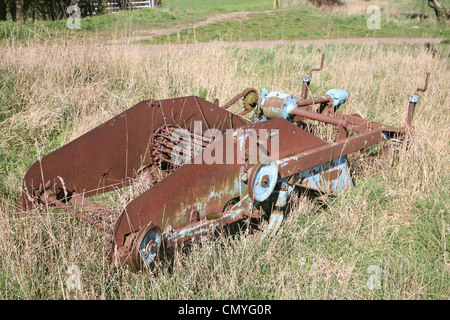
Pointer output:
x,y
330,177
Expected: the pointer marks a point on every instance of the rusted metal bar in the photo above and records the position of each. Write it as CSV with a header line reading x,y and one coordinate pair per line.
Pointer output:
x,y
164,159
318,69
328,152
52,199
243,113
358,124
413,99
202,113
78,200
319,117
198,228
311,101
426,85
237,97
307,79
171,140
411,110
177,133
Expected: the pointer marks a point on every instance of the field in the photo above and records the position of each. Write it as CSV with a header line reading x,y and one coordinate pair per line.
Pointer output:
x,y
295,20
393,228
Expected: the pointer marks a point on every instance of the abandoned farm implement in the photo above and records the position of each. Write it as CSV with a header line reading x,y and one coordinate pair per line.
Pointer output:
x,y
219,166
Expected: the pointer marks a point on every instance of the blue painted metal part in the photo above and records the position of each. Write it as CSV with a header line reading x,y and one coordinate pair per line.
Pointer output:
x,y
261,191
289,103
282,194
149,254
393,143
259,117
339,96
414,98
306,78
330,177
275,220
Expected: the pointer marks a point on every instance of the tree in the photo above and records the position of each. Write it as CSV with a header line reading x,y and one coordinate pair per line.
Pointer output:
x,y
440,11
276,4
89,7
56,9
13,9
4,9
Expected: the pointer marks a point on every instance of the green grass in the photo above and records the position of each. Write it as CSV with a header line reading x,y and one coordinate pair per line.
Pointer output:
x,y
302,23
413,7
218,5
120,21
174,13
292,23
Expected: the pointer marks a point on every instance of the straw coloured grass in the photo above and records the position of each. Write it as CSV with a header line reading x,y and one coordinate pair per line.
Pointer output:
x,y
386,239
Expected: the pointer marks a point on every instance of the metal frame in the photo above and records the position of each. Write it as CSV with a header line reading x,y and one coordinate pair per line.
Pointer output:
x,y
196,197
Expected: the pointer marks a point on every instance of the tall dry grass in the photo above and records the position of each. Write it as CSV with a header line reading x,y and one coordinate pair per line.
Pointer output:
x,y
395,220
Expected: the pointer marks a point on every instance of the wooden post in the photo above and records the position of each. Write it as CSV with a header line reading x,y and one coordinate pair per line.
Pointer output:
x,y
423,10
276,4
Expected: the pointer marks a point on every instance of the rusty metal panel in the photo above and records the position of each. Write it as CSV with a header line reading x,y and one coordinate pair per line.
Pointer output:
x,y
109,155
326,153
330,177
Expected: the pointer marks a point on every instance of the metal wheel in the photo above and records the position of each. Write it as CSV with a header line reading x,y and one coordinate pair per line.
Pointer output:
x,y
148,244
262,180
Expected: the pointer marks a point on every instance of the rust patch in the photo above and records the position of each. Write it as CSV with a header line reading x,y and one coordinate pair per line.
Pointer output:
x,y
331,175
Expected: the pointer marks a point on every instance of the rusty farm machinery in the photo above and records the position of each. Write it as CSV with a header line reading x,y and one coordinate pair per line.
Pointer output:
x,y
220,167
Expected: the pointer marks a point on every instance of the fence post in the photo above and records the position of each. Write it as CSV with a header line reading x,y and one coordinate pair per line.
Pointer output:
x,y
423,10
